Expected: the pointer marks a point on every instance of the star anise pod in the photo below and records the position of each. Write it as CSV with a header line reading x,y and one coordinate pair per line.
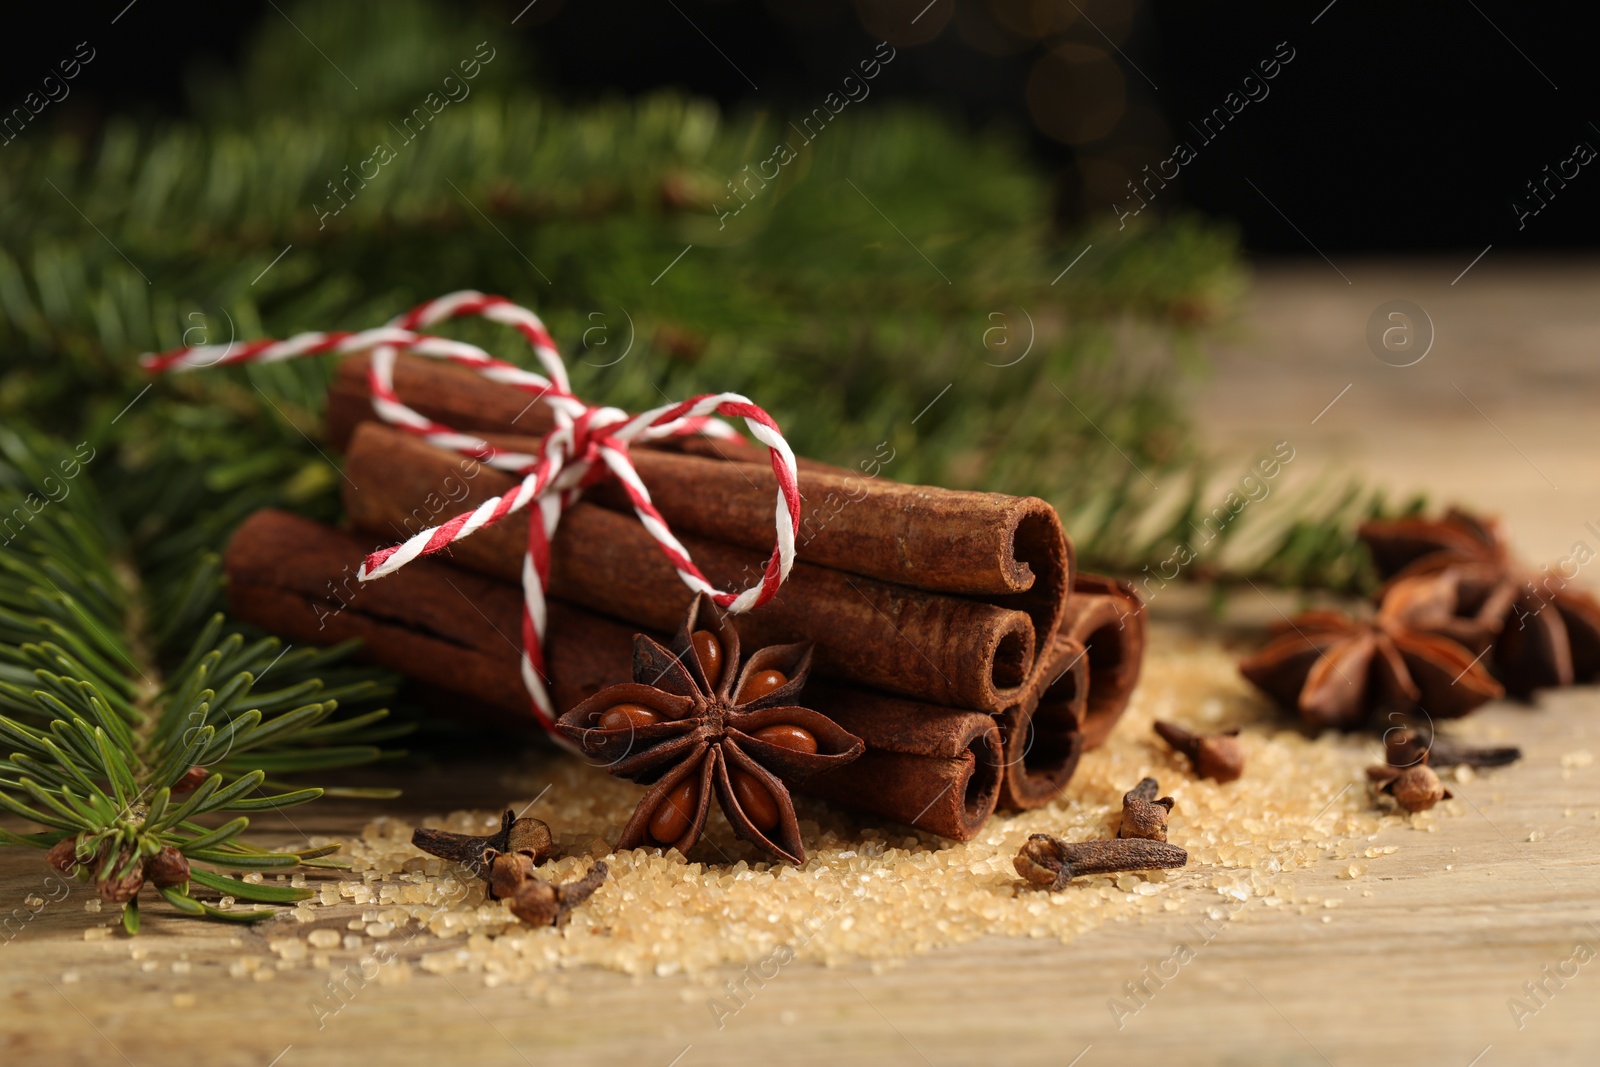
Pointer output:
x,y
1334,670
695,720
1542,631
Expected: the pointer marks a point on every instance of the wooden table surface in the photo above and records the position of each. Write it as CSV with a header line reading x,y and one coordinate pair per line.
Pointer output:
x,y
1429,968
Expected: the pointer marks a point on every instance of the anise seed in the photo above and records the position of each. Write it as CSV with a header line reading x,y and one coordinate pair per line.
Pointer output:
x,y
628,716
677,810
754,800
759,685
708,650
783,735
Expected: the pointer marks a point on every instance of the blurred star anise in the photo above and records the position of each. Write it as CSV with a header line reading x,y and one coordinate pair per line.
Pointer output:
x,y
1336,671
694,720
1460,581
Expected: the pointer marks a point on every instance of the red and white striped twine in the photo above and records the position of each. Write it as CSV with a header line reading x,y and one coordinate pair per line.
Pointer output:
x,y
587,444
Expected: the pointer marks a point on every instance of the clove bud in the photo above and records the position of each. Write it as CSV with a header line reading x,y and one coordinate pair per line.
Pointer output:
x,y
1414,788
515,836
1407,747
1051,862
539,903
1218,756
1143,816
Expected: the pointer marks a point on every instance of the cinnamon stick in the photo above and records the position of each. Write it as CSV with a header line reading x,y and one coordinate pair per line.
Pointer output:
x,y
940,649
934,768
467,401
1107,617
944,540
931,767
296,578
1043,732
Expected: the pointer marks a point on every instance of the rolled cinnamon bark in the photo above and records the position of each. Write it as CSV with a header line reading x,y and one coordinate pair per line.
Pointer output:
x,y
1108,618
1043,733
465,400
939,649
934,768
452,629
1010,551
948,541
445,393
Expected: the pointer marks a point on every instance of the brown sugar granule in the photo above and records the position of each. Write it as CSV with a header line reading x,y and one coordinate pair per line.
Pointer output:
x,y
871,890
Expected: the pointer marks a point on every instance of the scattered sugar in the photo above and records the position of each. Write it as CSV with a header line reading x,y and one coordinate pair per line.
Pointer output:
x,y
291,949
869,891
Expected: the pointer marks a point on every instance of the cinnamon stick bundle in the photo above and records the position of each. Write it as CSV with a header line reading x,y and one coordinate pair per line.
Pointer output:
x,y
930,767
936,648
1010,550
1107,618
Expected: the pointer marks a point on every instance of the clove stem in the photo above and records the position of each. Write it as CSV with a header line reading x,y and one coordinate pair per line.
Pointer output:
x,y
1050,861
1405,748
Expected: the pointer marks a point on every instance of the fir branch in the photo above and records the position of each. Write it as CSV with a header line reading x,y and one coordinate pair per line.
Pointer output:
x,y
836,325
119,760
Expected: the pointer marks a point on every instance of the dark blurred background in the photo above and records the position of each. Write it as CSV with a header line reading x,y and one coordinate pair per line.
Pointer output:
x,y
1413,127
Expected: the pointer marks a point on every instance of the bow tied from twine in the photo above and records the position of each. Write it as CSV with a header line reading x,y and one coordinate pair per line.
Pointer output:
x,y
587,445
